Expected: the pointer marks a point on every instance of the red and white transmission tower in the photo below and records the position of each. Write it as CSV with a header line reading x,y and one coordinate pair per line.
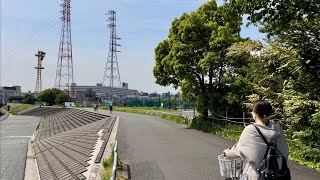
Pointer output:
x,y
64,75
111,76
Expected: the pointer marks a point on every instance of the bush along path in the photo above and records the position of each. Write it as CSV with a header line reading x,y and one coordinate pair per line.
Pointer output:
x,y
299,152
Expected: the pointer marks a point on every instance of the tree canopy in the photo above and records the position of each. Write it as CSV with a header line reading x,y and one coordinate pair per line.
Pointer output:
x,y
193,55
295,24
219,71
52,96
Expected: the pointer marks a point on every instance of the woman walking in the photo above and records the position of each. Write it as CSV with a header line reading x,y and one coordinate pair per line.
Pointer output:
x,y
252,147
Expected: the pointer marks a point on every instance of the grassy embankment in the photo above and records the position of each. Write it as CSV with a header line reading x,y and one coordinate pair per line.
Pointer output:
x,y
170,115
15,109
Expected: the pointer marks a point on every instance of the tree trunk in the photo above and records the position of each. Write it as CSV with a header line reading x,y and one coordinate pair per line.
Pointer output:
x,y
204,98
205,104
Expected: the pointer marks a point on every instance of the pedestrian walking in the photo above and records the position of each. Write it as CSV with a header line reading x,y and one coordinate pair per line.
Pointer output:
x,y
110,107
259,140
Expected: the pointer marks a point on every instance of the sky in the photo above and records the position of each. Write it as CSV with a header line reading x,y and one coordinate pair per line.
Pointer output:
x,y
29,26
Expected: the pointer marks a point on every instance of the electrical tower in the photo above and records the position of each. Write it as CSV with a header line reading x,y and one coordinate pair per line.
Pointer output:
x,y
39,67
64,75
111,76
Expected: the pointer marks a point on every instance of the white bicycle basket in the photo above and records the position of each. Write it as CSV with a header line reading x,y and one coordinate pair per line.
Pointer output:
x,y
230,168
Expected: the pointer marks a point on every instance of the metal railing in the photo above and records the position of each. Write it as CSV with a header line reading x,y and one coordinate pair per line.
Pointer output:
x,y
115,160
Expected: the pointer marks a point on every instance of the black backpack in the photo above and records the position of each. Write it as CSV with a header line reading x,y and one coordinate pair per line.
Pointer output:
x,y
269,168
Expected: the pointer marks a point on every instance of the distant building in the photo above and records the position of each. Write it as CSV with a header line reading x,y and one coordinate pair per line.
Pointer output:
x,y
92,94
144,94
165,95
6,92
154,94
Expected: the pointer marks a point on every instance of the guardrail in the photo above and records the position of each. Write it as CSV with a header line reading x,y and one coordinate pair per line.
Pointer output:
x,y
115,160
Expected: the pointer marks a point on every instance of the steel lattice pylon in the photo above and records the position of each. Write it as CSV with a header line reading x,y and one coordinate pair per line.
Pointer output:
x,y
111,76
64,75
39,67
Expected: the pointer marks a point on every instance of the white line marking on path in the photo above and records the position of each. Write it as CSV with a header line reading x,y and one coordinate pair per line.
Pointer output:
x,y
16,137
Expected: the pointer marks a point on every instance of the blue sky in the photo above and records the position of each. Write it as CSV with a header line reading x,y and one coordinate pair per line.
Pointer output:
x,y
28,26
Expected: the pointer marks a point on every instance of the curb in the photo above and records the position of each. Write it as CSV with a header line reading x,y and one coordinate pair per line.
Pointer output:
x,y
31,171
5,116
95,173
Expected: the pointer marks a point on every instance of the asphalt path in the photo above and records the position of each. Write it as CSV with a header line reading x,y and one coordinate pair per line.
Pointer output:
x,y
158,149
15,134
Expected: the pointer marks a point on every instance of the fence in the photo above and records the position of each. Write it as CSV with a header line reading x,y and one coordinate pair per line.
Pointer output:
x,y
115,160
244,120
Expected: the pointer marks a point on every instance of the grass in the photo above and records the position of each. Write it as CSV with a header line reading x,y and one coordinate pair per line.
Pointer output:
x,y
106,172
15,109
107,163
147,108
176,118
305,155
229,131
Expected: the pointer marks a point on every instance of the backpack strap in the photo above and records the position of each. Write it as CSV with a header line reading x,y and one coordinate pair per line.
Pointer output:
x,y
264,139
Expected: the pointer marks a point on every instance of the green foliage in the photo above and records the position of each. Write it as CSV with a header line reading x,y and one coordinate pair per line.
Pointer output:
x,y
15,98
230,131
172,116
52,96
29,99
295,24
62,97
106,172
192,57
26,99
201,124
107,162
217,70
306,155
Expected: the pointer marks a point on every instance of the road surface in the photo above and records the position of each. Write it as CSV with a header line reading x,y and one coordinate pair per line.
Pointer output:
x,y
158,149
15,134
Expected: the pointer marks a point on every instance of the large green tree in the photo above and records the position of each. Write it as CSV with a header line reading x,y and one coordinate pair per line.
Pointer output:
x,y
50,96
29,99
293,23
272,73
193,55
62,97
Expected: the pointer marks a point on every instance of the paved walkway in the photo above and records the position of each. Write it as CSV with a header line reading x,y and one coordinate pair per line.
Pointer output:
x,y
158,149
15,134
